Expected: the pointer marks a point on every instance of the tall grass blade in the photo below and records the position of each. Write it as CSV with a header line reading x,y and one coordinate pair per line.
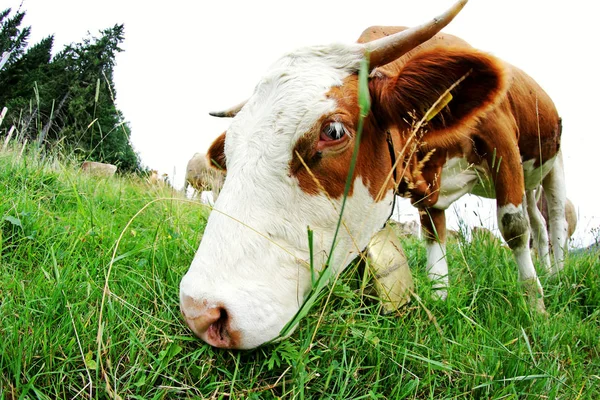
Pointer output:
x,y
309,233
364,102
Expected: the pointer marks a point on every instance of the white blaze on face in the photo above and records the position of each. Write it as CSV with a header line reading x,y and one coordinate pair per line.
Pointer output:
x,y
251,273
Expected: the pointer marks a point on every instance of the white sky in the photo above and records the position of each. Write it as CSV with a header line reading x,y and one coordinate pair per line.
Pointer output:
x,y
185,58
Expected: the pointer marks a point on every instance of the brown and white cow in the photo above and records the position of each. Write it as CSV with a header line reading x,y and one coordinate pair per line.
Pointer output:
x,y
203,175
570,212
288,149
541,226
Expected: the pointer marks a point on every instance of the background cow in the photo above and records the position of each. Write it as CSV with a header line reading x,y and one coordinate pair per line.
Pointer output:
x,y
202,176
444,118
540,224
152,178
570,212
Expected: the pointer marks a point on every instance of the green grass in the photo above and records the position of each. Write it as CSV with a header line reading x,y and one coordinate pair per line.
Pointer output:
x,y
59,231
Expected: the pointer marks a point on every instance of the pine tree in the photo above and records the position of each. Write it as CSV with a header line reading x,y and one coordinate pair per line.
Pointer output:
x,y
94,125
68,99
20,78
13,40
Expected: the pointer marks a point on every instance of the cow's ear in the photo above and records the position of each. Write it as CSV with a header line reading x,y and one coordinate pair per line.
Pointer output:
x,y
216,153
447,88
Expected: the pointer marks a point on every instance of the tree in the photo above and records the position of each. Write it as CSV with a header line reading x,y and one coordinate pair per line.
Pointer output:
x,y
13,40
69,99
21,79
94,125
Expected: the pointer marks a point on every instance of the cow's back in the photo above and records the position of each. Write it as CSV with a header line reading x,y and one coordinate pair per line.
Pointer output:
x,y
539,126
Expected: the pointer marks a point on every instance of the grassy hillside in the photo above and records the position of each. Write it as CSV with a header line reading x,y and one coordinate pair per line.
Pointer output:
x,y
77,323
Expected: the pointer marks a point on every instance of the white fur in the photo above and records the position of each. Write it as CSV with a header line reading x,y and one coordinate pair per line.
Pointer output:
x,y
253,258
260,273
529,279
459,178
556,195
437,267
527,273
551,175
538,229
522,253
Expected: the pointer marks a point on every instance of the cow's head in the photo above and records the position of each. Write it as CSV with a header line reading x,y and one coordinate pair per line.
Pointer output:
x,y
287,154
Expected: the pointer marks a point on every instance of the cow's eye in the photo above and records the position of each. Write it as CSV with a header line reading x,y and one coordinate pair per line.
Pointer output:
x,y
333,131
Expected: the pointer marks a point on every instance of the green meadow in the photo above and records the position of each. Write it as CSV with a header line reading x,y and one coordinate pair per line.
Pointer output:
x,y
89,276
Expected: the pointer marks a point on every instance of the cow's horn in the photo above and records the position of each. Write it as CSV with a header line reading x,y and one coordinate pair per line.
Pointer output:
x,y
229,113
389,48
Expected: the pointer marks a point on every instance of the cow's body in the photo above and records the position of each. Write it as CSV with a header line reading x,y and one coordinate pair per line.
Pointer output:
x,y
152,177
288,150
512,150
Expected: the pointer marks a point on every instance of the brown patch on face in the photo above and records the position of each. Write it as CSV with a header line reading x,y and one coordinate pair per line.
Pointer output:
x,y
327,170
305,159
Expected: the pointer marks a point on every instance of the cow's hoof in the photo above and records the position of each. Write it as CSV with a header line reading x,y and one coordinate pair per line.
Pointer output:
x,y
439,293
538,306
535,295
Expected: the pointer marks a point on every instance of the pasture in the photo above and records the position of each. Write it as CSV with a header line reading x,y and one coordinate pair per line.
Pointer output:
x,y
89,308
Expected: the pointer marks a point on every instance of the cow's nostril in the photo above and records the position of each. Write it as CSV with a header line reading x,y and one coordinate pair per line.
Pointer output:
x,y
221,323
218,333
210,324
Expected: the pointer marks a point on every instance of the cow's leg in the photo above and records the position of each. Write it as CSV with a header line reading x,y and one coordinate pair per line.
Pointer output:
x,y
514,227
511,201
433,226
538,229
556,196
513,222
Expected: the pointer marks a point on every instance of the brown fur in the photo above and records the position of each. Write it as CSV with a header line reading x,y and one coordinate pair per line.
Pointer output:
x,y
331,170
216,153
497,113
493,115
502,117
433,224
